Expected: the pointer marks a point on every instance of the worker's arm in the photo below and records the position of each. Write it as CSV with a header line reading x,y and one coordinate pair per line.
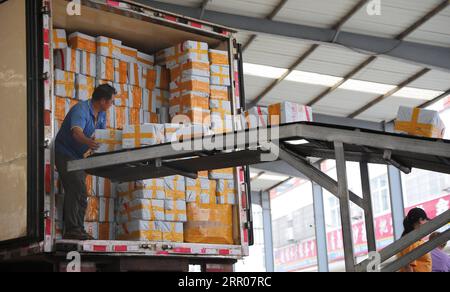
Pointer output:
x,y
79,136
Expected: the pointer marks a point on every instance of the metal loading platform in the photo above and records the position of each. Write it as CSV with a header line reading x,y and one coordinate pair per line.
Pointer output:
x,y
298,145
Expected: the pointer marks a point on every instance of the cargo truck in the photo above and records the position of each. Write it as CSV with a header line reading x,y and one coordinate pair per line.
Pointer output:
x,y
27,181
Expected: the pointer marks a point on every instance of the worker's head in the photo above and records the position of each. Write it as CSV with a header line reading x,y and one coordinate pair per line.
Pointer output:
x,y
415,218
103,96
434,235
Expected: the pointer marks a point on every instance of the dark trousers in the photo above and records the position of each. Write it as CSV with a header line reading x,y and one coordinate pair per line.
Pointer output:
x,y
75,195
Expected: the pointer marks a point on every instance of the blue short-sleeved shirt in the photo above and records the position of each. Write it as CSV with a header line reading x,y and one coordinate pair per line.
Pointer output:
x,y
82,116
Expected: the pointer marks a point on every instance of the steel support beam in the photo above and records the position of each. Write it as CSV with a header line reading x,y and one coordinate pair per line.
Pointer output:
x,y
344,204
407,240
270,16
345,79
291,69
268,235
390,93
321,228
397,204
316,175
435,100
337,27
417,253
368,210
432,56
371,59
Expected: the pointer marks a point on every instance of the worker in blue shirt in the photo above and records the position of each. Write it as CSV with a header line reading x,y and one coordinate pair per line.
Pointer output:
x,y
74,140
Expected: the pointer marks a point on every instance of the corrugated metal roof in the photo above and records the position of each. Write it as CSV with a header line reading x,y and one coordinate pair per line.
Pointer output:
x,y
387,109
321,13
253,8
396,16
435,31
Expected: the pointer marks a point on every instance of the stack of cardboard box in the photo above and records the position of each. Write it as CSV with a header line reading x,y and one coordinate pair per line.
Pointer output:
x,y
152,210
220,105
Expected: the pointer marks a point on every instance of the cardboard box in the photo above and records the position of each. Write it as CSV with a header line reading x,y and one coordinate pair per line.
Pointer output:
x,y
134,116
63,106
105,188
150,118
419,122
109,47
122,96
187,103
148,101
175,210
109,140
92,210
88,64
175,187
220,75
68,60
91,185
101,231
139,230
221,116
218,92
257,117
145,60
135,74
84,86
220,106
196,116
195,131
201,191
140,209
188,69
65,84
193,83
226,192
221,123
121,72
136,136
128,54
217,57
226,173
172,231
172,132
150,189
59,39
106,210
105,68
162,77
288,112
111,118
143,189
188,50
134,97
83,42
120,116
212,224
149,77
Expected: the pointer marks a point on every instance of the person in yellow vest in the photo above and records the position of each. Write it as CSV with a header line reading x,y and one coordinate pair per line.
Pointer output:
x,y
415,218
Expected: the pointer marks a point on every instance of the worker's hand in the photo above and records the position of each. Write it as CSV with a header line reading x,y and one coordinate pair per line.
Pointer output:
x,y
93,145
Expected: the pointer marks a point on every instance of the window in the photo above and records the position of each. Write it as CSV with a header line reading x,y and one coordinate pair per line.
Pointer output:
x,y
422,186
380,194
